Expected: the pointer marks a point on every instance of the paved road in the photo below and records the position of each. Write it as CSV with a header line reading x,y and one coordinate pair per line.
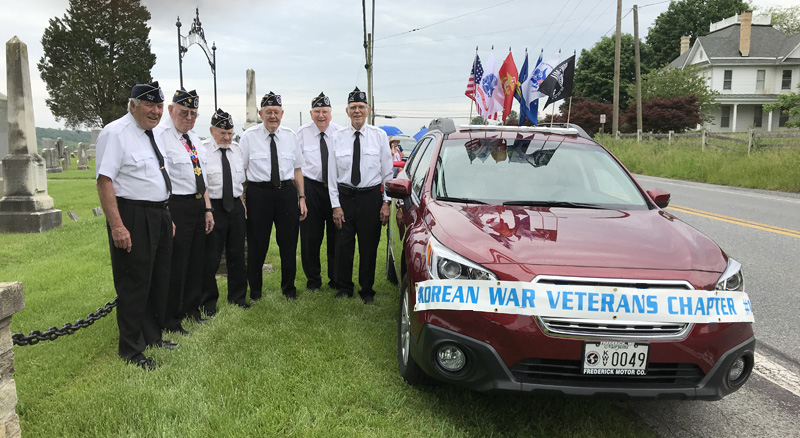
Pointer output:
x,y
760,229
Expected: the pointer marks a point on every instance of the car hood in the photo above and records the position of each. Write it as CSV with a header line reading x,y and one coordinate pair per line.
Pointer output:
x,y
638,239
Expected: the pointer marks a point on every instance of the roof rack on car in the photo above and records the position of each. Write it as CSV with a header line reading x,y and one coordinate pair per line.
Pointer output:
x,y
537,129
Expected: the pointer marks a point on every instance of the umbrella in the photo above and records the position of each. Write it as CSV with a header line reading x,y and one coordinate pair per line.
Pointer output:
x,y
391,130
421,132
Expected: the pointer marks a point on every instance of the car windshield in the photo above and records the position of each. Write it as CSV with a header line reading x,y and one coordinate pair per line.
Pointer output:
x,y
544,172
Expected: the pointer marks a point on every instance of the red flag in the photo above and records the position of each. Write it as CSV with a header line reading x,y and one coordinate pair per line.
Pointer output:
x,y
474,77
508,79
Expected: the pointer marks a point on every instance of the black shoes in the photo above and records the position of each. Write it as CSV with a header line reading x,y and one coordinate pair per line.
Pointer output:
x,y
243,306
179,330
169,345
144,362
343,294
367,299
292,296
200,320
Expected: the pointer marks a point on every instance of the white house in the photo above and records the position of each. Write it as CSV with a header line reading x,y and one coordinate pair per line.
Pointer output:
x,y
749,63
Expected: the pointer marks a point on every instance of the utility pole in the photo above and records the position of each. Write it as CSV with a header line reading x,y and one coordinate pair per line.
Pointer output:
x,y
368,57
638,63
617,49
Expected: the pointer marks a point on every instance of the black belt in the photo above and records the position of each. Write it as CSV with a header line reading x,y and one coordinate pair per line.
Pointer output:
x,y
269,185
352,191
220,199
148,204
184,197
315,182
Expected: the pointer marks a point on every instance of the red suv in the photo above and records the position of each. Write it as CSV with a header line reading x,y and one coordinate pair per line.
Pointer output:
x,y
529,259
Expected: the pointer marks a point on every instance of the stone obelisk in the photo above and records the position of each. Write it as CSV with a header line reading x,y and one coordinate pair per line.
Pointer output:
x,y
252,108
25,207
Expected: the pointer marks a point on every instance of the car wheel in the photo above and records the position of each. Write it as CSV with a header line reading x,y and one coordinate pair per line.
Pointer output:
x,y
391,274
409,370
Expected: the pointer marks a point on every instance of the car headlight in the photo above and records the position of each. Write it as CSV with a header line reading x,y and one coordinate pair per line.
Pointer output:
x,y
444,264
732,278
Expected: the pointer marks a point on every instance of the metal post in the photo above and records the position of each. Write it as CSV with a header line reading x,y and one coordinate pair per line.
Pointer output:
x,y
214,70
369,80
749,141
180,55
704,141
669,138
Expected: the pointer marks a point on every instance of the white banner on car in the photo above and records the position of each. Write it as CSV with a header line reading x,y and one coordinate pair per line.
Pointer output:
x,y
590,302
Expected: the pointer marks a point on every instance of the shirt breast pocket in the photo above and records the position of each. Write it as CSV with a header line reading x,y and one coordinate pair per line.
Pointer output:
x,y
142,165
344,159
286,161
259,160
371,158
181,165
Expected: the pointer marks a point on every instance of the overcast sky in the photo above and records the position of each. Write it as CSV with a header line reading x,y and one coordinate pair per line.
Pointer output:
x,y
299,48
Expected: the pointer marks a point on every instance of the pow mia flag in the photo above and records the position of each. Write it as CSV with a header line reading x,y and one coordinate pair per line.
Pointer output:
x,y
558,84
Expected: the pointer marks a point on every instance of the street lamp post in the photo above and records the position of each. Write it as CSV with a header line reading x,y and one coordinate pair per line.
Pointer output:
x,y
197,36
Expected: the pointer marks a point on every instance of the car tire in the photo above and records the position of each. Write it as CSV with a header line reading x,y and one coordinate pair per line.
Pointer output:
x,y
408,368
391,274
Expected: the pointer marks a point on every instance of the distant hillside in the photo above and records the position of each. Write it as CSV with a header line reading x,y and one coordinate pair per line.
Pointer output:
x,y
71,138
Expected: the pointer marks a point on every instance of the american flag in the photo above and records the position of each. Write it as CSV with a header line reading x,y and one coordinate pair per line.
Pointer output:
x,y
475,77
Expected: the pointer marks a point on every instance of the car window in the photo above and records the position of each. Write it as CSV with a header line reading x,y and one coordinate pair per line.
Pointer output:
x,y
497,170
413,160
421,168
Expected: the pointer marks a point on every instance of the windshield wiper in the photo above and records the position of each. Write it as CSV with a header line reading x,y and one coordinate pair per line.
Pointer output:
x,y
462,200
555,204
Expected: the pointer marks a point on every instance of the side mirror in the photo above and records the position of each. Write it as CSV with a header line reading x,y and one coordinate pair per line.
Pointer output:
x,y
399,188
660,197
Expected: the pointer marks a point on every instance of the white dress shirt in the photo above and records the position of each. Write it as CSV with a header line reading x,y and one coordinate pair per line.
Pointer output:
x,y
376,159
308,136
257,158
214,168
178,161
125,155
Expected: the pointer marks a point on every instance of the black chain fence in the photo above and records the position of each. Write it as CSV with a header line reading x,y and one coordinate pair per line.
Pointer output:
x,y
54,333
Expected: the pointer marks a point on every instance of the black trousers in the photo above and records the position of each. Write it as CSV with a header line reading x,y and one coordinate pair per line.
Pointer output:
x,y
229,234
141,277
188,248
361,220
317,225
267,206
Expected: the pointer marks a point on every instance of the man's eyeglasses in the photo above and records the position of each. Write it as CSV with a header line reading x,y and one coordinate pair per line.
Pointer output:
x,y
186,114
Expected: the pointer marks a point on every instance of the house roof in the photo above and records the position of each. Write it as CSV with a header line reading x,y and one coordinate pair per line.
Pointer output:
x,y
767,46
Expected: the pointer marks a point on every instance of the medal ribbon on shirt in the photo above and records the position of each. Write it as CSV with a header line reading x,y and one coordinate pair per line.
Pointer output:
x,y
198,171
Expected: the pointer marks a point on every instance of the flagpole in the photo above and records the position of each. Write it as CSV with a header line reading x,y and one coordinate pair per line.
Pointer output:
x,y
552,114
474,84
569,110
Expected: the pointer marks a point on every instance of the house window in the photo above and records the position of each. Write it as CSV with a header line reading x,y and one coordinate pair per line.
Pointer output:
x,y
783,117
726,85
725,120
786,82
758,115
760,79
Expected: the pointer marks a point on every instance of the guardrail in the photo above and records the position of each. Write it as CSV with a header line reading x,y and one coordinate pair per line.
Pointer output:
x,y
751,138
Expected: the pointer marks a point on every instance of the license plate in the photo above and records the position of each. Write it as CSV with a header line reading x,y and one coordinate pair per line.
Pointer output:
x,y
615,358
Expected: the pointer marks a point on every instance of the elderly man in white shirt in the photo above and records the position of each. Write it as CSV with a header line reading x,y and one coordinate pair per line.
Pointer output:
x,y
315,139
358,167
275,195
190,208
225,173
133,187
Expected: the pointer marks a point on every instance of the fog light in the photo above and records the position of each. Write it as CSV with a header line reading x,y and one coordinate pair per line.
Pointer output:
x,y
451,358
737,370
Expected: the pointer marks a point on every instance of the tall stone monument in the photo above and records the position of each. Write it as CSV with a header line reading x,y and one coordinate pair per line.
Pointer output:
x,y
3,130
252,107
82,161
25,207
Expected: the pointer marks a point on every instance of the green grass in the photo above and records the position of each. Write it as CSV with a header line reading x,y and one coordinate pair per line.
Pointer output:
x,y
314,367
768,169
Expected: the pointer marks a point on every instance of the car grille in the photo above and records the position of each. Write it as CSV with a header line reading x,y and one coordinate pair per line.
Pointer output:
x,y
554,371
590,328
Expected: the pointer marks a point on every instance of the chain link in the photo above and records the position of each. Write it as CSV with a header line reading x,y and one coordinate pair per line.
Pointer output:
x,y
54,333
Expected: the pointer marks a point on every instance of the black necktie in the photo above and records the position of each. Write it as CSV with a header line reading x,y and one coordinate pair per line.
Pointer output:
x,y
355,176
198,171
227,182
160,158
275,175
323,152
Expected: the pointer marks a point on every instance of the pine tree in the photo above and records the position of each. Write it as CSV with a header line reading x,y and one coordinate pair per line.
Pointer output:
x,y
92,57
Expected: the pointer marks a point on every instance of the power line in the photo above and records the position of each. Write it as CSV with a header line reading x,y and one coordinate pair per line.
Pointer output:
x,y
444,21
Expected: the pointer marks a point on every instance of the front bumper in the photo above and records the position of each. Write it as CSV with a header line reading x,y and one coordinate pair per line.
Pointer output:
x,y
485,371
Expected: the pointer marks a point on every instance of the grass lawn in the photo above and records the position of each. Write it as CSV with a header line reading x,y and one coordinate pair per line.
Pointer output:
x,y
313,367
768,169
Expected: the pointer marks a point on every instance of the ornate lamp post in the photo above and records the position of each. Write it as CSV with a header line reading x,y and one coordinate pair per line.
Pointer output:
x,y
197,36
